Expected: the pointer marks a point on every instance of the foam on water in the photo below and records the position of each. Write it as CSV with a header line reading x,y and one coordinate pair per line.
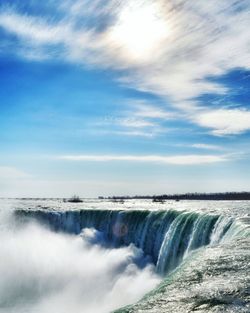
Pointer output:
x,y
57,258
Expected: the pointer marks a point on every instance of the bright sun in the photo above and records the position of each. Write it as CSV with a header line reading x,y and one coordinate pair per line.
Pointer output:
x,y
140,30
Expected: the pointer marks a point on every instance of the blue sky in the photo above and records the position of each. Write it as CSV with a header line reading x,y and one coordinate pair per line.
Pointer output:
x,y
116,98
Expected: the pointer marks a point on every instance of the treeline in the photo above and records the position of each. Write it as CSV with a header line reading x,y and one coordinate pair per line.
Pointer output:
x,y
189,196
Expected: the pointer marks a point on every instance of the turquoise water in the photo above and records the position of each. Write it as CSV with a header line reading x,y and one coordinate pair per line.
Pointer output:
x,y
198,249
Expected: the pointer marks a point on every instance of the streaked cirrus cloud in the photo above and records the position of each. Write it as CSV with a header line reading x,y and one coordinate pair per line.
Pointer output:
x,y
170,49
174,160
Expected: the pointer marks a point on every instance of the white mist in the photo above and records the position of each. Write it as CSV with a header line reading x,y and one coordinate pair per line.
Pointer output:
x,y
42,272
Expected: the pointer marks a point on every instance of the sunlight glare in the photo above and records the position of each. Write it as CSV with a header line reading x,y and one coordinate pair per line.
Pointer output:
x,y
140,30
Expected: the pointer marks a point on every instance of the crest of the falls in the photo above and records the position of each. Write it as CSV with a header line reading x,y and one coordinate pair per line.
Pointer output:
x,y
167,237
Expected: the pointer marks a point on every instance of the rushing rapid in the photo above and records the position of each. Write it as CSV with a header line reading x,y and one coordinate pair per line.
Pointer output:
x,y
202,249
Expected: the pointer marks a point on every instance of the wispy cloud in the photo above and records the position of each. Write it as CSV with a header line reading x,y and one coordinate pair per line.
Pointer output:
x,y
135,123
174,160
206,146
224,122
37,30
165,48
149,134
134,133
140,119
144,109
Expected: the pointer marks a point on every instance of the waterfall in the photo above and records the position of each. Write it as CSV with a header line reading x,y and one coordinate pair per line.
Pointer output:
x,y
167,237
